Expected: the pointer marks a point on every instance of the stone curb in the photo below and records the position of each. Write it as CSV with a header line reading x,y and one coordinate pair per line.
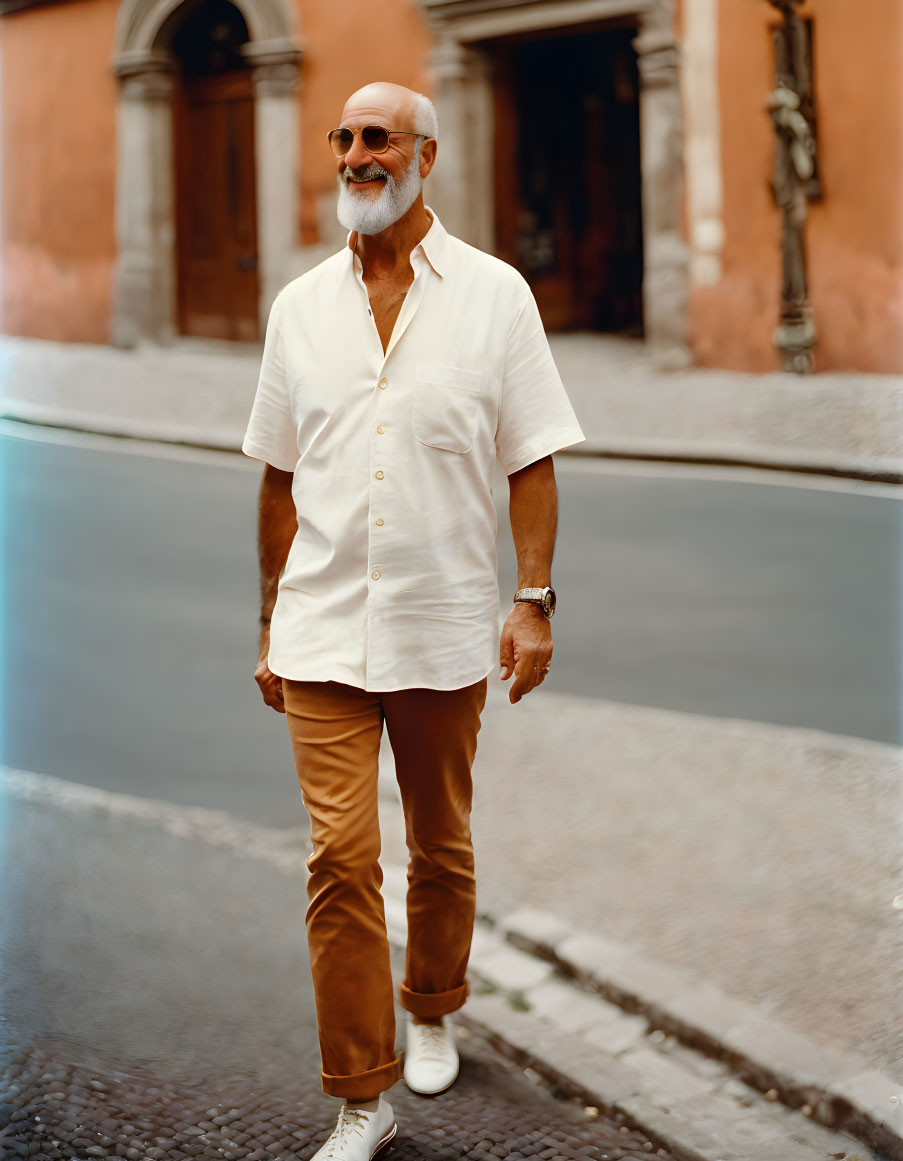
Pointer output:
x,y
684,1102
839,1090
704,452
91,423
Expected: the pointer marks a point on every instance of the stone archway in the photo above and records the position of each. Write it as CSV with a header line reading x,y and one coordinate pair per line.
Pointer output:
x,y
144,296
463,97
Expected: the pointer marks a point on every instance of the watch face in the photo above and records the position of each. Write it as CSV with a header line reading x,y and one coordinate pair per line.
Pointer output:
x,y
548,601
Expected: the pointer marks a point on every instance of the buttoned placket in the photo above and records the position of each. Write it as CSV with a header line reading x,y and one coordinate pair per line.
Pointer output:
x,y
382,434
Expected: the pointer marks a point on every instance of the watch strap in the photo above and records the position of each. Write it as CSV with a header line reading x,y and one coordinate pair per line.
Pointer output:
x,y
544,597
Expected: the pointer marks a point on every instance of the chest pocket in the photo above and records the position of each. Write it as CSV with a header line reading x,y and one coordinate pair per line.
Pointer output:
x,y
445,409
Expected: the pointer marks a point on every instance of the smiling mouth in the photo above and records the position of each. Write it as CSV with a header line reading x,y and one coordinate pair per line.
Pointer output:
x,y
364,181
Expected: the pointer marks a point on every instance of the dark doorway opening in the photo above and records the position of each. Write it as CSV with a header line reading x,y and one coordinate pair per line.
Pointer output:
x,y
215,174
568,188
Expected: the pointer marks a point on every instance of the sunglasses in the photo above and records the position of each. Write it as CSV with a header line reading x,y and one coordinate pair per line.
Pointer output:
x,y
374,137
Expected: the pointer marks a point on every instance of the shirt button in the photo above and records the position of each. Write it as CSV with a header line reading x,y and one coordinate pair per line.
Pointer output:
x,y
381,429
379,475
384,383
380,522
375,574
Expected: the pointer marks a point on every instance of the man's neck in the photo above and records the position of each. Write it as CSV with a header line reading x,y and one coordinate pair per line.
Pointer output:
x,y
389,252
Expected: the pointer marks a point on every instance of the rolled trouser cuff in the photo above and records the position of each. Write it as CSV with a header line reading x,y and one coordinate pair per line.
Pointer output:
x,y
430,1004
364,1086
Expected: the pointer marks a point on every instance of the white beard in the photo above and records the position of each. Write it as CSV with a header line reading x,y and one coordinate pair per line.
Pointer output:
x,y
369,214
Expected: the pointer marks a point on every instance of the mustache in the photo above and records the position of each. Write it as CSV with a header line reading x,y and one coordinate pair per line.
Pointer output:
x,y
364,173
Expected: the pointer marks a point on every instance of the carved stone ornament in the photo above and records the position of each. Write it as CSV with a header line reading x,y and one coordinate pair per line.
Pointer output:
x,y
794,169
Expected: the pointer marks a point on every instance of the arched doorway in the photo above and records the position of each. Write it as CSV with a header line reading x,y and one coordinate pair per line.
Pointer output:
x,y
207,166
217,286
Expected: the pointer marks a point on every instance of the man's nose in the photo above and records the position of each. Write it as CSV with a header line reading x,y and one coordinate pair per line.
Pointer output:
x,y
357,156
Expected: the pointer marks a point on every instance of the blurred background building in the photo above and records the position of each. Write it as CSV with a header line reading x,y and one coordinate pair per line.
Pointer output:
x,y
165,167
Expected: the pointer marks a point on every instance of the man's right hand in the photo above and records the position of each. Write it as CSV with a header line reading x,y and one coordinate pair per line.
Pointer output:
x,y
270,683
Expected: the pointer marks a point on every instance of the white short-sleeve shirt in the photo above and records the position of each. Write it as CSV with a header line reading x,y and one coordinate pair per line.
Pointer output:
x,y
392,579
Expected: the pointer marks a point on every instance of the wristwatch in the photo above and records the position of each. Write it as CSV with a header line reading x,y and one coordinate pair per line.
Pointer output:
x,y
545,598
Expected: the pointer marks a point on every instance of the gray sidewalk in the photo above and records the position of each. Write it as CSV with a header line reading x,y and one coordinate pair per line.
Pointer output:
x,y
201,392
755,862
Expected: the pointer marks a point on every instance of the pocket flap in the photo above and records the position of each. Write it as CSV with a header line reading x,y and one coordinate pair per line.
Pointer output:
x,y
447,376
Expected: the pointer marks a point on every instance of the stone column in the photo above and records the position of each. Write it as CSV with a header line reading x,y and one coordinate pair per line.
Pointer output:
x,y
460,187
665,276
277,144
144,284
699,84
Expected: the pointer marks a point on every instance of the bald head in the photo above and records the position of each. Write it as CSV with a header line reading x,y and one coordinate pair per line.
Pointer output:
x,y
395,105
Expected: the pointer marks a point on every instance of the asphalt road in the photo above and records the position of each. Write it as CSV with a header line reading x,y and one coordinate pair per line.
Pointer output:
x,y
130,603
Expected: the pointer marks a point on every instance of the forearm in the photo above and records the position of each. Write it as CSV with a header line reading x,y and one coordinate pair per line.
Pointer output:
x,y
277,524
533,509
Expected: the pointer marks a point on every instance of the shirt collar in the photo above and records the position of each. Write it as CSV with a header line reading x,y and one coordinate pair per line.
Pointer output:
x,y
433,245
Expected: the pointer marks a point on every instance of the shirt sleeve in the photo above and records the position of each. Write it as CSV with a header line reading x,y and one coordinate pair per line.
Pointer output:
x,y
271,434
535,415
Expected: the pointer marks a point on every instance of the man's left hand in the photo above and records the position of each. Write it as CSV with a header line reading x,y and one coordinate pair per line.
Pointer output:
x,y
525,648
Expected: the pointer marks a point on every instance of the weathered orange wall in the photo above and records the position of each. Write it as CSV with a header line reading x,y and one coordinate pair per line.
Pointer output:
x,y
854,235
57,244
58,171
731,323
348,45
58,110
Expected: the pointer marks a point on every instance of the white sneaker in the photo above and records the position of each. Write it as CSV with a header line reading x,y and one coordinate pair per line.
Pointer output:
x,y
359,1134
431,1059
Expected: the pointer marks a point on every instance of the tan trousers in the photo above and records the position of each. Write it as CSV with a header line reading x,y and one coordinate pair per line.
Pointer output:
x,y
335,731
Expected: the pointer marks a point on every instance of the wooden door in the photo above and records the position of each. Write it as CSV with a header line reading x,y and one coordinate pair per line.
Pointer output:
x,y
216,207
567,176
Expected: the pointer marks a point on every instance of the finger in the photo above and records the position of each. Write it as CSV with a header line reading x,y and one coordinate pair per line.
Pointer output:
x,y
506,656
539,676
523,682
270,685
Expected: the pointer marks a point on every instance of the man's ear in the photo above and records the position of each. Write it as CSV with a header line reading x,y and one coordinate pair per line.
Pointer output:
x,y
428,156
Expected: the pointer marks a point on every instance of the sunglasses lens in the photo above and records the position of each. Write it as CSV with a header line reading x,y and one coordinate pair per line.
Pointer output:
x,y
375,138
340,140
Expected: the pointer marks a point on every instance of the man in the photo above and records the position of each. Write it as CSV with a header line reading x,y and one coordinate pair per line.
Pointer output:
x,y
394,374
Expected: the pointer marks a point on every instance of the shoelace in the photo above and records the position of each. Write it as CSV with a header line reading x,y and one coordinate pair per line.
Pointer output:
x,y
433,1041
350,1121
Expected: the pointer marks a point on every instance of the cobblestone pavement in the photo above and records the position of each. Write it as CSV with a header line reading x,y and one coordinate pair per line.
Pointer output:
x,y
156,1003
51,1107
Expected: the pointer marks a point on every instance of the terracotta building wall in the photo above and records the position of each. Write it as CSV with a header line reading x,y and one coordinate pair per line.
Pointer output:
x,y
58,108
57,245
731,323
347,45
854,235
